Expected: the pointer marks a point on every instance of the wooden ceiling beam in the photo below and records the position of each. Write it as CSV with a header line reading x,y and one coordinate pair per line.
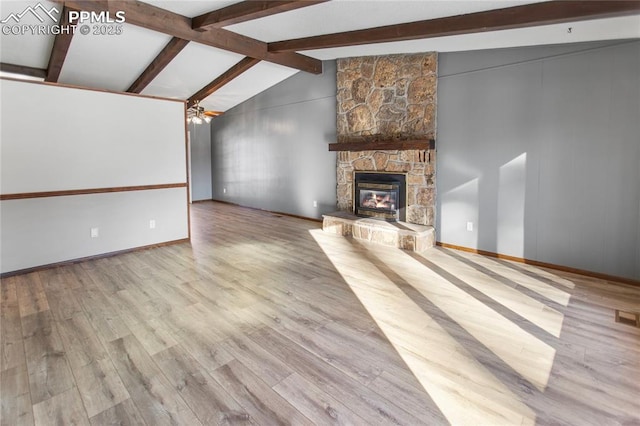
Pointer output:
x,y
246,11
167,54
223,79
23,70
535,14
164,21
60,48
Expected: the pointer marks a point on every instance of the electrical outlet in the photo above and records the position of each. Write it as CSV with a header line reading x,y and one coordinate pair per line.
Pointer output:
x,y
469,226
95,232
224,190
152,224
315,203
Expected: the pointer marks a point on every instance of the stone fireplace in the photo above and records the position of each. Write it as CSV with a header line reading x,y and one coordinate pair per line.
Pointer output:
x,y
391,99
386,123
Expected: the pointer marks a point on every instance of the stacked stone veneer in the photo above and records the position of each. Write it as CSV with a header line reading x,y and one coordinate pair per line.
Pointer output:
x,y
383,98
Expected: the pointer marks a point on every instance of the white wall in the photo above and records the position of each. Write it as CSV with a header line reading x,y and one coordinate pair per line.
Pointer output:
x,y
57,138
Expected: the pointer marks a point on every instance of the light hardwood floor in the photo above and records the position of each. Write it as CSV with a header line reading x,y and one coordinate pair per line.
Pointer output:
x,y
264,319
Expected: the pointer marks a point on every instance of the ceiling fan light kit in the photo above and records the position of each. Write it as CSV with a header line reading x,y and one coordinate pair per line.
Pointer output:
x,y
197,115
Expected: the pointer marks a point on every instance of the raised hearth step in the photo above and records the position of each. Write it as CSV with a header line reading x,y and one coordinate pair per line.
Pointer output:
x,y
407,236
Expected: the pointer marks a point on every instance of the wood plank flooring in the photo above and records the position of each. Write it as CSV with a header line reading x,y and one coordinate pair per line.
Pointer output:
x,y
264,319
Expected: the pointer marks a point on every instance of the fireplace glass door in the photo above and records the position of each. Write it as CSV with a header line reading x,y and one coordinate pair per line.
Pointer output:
x,y
380,196
380,199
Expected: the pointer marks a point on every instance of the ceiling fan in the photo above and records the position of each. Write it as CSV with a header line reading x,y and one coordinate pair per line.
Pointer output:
x,y
198,115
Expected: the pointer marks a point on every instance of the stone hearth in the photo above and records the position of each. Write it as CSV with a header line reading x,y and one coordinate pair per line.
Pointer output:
x,y
402,235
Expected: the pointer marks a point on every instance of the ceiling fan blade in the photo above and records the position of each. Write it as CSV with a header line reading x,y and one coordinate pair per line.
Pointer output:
x,y
213,113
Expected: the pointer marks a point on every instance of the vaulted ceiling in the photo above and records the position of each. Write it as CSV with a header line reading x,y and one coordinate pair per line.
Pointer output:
x,y
224,52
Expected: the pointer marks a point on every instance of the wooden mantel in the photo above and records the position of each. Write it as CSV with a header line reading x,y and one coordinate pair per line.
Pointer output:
x,y
393,144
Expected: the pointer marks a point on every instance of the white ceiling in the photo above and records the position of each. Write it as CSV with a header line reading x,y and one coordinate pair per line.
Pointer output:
x,y
599,29
114,62
111,62
194,67
346,15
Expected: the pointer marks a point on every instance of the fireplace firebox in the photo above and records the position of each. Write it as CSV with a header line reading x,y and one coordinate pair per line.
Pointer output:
x,y
380,195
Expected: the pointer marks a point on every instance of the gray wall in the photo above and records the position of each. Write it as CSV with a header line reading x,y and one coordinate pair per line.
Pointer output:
x,y
540,149
271,152
200,157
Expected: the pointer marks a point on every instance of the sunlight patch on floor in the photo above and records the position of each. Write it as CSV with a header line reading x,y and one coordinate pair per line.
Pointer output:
x,y
539,272
464,390
503,337
503,292
540,283
496,332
